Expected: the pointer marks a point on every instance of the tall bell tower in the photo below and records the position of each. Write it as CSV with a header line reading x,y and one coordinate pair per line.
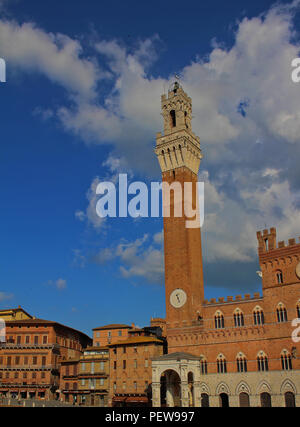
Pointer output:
x,y
179,155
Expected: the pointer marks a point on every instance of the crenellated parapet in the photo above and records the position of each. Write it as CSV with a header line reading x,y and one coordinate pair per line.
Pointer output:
x,y
267,241
231,299
279,262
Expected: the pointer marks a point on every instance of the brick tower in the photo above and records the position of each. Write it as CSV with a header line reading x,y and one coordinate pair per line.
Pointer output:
x,y
179,154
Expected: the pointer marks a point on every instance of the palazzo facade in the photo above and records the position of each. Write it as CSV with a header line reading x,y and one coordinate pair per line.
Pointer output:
x,y
238,351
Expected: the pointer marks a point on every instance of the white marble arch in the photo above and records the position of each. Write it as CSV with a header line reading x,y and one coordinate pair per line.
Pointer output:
x,y
182,364
263,387
288,385
242,387
204,388
222,388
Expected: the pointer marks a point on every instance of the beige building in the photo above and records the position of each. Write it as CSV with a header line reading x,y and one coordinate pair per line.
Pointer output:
x,y
93,377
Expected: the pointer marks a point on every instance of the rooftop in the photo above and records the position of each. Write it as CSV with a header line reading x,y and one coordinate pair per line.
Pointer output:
x,y
137,340
35,322
113,326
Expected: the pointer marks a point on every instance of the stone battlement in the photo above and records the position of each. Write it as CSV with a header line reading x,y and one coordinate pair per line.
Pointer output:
x,y
230,299
267,241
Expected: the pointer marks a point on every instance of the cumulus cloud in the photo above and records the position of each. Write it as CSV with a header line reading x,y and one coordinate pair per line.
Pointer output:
x,y
246,111
90,214
56,56
114,166
141,258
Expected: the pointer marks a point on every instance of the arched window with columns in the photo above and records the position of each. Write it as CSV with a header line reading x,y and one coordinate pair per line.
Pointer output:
x,y
203,365
281,313
219,320
258,316
238,317
286,360
241,362
262,362
221,364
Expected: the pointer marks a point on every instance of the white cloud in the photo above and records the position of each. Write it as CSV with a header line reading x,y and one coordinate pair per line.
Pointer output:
x,y
56,56
141,258
114,166
90,214
60,284
5,296
246,111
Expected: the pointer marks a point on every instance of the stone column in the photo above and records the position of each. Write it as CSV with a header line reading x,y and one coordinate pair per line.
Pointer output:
x,y
197,394
184,394
169,391
156,395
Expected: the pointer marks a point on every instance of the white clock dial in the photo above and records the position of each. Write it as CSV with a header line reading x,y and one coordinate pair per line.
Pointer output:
x,y
178,298
298,270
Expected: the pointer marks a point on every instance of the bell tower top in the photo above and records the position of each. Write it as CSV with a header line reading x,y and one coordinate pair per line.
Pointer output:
x,y
176,109
179,146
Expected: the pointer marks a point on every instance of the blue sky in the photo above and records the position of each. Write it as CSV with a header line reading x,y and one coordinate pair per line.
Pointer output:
x,y
82,104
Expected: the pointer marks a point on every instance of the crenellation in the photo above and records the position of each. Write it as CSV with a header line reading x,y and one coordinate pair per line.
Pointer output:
x,y
230,299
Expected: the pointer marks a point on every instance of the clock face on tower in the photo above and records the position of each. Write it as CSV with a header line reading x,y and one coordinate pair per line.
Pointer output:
x,y
178,298
298,270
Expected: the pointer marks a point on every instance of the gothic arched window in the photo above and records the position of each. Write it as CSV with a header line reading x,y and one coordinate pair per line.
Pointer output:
x,y
286,361
258,316
241,362
281,313
221,364
219,320
203,365
262,362
238,318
